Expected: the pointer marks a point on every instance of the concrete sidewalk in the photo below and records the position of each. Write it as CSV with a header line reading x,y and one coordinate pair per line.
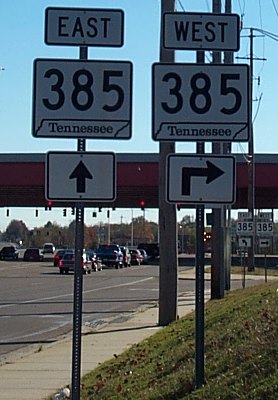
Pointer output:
x,y
38,374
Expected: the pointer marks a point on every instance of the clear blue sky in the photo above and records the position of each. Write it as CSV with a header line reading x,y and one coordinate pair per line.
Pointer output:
x,y
22,40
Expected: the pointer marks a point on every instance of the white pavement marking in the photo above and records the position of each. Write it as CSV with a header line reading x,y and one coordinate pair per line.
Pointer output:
x,y
71,294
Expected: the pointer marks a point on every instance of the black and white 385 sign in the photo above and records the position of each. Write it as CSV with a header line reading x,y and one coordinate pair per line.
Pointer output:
x,y
82,98
200,102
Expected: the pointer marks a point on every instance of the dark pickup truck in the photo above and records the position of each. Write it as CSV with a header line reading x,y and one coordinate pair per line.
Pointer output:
x,y
110,255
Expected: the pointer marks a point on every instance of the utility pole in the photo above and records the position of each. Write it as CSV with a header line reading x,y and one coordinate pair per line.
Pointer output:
x,y
217,257
228,59
167,214
251,156
251,165
200,276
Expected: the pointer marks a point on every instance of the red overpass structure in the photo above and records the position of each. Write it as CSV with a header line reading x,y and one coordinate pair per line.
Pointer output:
x,y
22,181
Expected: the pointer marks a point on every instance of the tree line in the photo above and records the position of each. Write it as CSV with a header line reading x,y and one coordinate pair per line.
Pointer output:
x,y
139,230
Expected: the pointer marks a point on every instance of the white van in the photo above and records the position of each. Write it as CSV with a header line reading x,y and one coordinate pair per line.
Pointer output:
x,y
48,248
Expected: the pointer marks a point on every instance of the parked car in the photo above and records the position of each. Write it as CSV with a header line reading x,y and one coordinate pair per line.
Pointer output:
x,y
32,254
67,263
110,255
136,257
48,248
126,256
145,259
57,256
152,249
95,261
8,253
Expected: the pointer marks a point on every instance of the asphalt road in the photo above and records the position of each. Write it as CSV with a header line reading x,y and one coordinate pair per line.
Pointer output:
x,y
36,302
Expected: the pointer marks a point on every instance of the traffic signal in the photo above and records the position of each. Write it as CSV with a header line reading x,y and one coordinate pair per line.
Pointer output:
x,y
49,205
72,210
7,212
64,212
94,214
36,213
142,205
207,236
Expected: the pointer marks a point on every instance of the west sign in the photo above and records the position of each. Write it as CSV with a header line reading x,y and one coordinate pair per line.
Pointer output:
x,y
201,31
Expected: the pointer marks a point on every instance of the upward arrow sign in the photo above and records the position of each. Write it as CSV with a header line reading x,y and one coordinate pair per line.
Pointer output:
x,y
211,172
81,173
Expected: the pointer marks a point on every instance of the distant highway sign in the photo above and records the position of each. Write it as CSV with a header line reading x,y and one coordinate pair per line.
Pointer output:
x,y
245,228
200,102
82,98
244,242
264,228
264,242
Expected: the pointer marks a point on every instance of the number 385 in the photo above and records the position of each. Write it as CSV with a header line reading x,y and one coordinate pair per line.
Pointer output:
x,y
216,91
200,98
82,95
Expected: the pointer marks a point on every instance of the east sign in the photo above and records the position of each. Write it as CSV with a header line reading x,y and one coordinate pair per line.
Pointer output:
x,y
201,31
84,27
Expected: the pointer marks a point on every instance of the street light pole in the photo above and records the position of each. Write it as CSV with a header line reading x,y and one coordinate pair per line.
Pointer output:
x,y
251,162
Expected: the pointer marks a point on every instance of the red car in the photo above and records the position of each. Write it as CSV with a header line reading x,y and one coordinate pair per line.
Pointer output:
x,y
136,257
57,257
32,254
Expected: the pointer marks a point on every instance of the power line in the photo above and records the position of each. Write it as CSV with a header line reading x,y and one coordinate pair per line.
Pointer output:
x,y
242,8
275,8
180,3
260,13
258,107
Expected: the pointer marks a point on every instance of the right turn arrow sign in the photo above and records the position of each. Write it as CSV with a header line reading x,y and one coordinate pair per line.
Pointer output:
x,y
210,172
196,179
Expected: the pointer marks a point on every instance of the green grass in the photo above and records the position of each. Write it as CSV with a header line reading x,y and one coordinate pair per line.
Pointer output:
x,y
241,355
256,271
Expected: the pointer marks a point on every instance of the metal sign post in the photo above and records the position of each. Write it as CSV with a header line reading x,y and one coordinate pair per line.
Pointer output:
x,y
265,243
77,302
199,300
78,281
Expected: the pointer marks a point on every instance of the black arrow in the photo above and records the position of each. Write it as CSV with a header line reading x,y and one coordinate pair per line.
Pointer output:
x,y
80,173
211,171
265,242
